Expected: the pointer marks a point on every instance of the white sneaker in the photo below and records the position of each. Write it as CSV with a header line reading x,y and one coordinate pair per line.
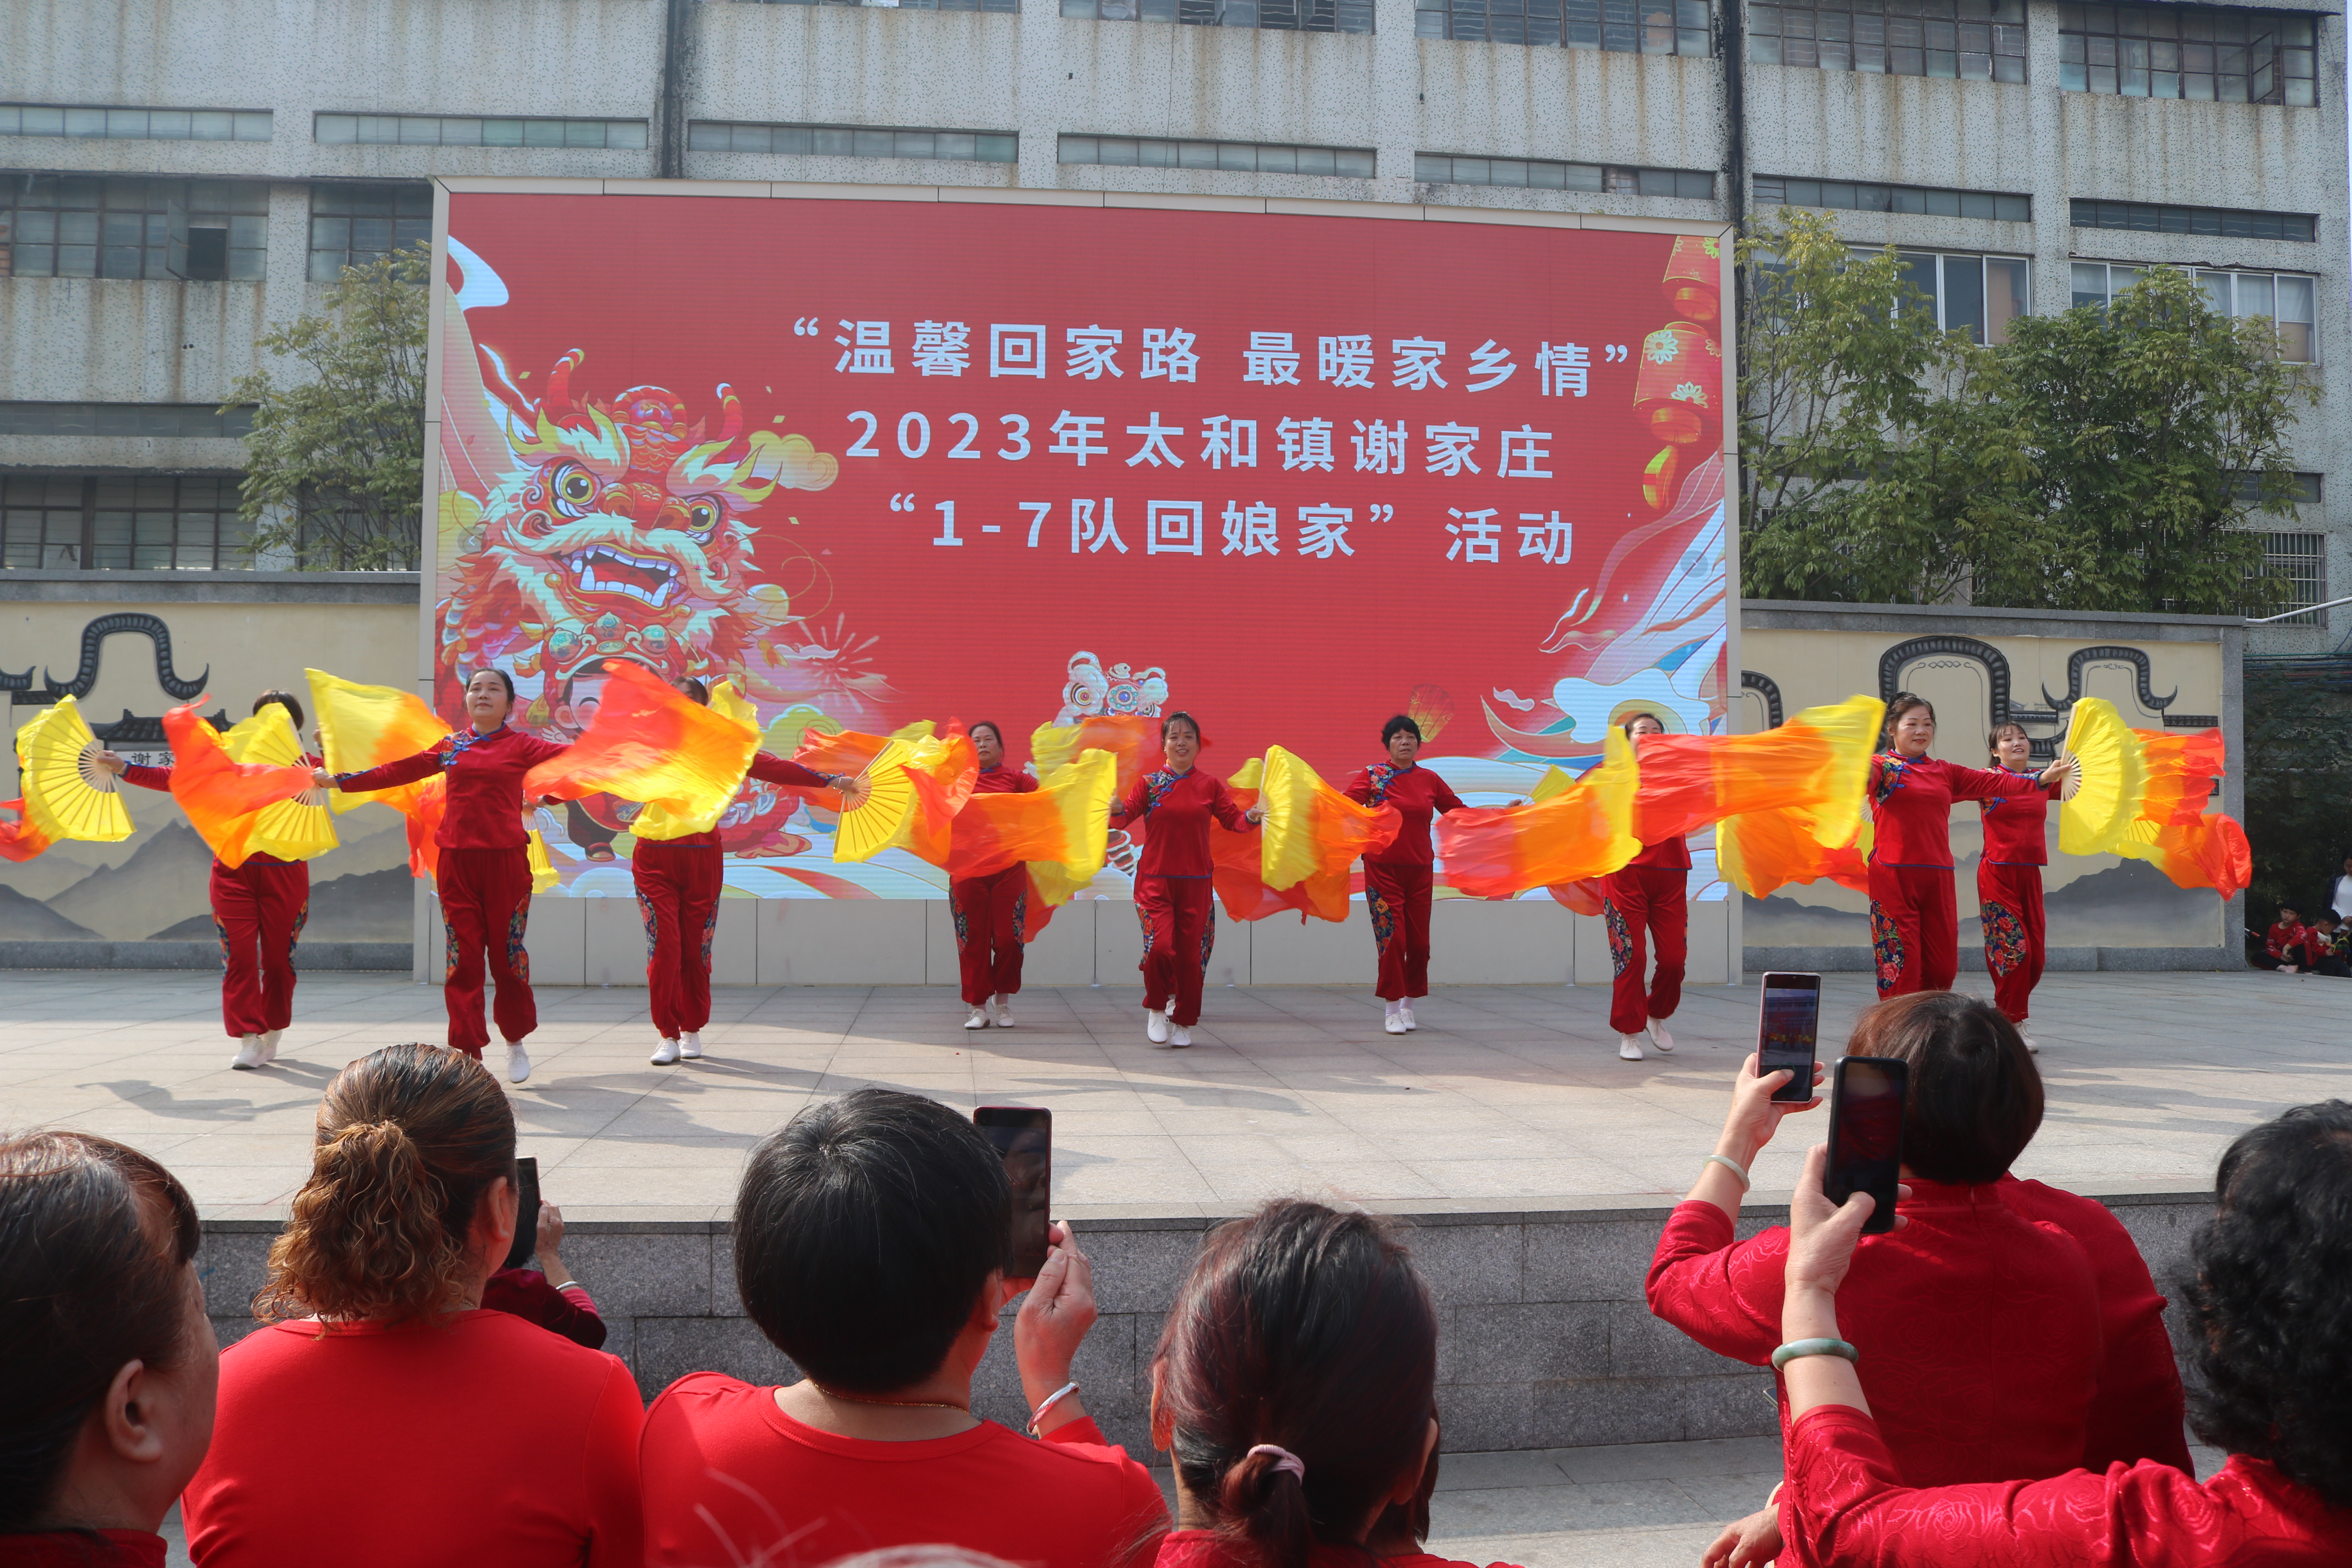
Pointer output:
x,y
1660,1038
1003,1012
975,1017
663,1054
248,1054
1155,1027
689,1045
518,1063
2031,1048
1180,1036
1394,1023
1411,1024
269,1046
1629,1047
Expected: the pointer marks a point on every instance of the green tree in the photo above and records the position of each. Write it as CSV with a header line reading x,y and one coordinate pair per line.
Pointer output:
x,y
335,465
2298,761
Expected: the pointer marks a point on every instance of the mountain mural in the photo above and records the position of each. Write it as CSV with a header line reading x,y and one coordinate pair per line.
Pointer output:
x,y
29,920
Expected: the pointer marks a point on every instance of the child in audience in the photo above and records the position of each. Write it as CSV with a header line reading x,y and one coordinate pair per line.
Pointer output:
x,y
383,1417
870,1238
107,1362
2328,947
2282,947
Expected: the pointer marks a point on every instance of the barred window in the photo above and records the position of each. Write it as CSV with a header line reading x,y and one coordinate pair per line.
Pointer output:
x,y
1968,40
2185,51
1861,196
906,4
105,521
1543,174
134,124
855,142
164,420
1619,27
2299,561
471,130
1980,295
2247,489
1277,16
2287,298
41,521
99,225
2230,222
351,226
1235,157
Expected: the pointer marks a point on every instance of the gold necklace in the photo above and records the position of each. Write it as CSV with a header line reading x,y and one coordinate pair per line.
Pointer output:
x,y
892,1403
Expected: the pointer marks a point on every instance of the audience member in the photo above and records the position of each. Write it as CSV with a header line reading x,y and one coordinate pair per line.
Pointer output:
x,y
2328,947
870,1242
548,1295
1295,1384
2282,946
108,1364
396,1421
2271,1340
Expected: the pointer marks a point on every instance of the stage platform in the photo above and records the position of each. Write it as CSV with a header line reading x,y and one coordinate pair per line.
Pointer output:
x,y
1536,1165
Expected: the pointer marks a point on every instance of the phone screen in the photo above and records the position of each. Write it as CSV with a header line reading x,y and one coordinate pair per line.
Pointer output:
x,y
1023,1137
1866,1095
526,1241
1788,1027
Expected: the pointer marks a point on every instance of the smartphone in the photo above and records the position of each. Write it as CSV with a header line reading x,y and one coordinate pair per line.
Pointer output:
x,y
1788,1024
1023,1137
1866,1096
526,1241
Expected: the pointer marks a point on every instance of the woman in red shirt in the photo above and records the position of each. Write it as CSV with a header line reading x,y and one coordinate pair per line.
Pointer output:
x,y
2009,879
679,882
356,1414
1647,897
1174,897
483,877
1397,877
1915,923
259,907
990,911
2270,1338
106,1358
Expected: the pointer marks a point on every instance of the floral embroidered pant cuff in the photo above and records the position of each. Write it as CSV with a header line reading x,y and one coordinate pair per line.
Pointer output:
x,y
2009,904
1398,898
258,909
1914,928
678,897
1180,931
988,912
1640,905
486,905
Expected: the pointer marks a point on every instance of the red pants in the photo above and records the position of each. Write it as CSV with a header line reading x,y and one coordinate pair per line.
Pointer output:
x,y
1180,931
486,905
2008,902
1397,897
1640,902
678,897
258,909
1914,928
989,913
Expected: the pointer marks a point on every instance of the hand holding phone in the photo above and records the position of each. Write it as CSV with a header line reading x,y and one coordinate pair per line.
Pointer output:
x,y
1023,1137
1788,1028
1865,1152
526,1236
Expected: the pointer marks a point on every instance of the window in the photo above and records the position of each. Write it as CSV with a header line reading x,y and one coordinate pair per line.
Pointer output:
x,y
2286,298
147,523
1278,16
1983,294
2246,489
855,142
2300,561
1969,40
1542,175
467,131
2230,222
908,4
351,226
1620,27
135,124
96,225
156,419
1854,195
2187,51
1235,157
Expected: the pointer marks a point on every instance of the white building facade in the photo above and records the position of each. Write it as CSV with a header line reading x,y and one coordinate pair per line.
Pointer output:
x,y
177,178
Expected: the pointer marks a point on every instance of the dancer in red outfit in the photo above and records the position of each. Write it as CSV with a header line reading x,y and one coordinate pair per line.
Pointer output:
x,y
1647,900
259,909
678,883
2009,881
1396,877
1174,898
991,911
484,874
1915,923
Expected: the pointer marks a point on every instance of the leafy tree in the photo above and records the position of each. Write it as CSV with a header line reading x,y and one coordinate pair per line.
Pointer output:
x,y
335,465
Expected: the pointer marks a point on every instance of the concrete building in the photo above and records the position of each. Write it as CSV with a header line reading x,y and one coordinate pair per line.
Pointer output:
x,y
176,179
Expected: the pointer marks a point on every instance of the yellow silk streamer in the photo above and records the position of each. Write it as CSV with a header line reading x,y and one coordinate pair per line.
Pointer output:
x,y
658,822
1311,829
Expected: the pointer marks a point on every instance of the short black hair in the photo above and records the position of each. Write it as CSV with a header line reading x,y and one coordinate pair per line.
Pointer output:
x,y
1902,702
692,687
1400,722
284,699
865,1230
1975,1099
1630,720
977,726
1172,718
504,678
2267,1327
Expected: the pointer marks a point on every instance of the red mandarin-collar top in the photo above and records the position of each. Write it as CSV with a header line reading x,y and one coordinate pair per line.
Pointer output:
x,y
1419,797
1002,781
1176,809
485,773
2286,934
145,777
768,768
1667,854
2016,826
1911,804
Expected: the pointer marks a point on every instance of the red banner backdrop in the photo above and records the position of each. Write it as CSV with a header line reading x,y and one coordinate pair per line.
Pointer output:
x,y
882,461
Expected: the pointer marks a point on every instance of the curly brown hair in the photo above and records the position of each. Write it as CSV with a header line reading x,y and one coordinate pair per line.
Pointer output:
x,y
408,1140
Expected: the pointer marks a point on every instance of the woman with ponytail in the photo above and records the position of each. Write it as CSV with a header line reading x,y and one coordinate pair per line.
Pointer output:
x,y
351,1424
1295,1384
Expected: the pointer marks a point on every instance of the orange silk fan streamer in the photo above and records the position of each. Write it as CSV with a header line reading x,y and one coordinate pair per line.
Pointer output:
x,y
651,743
223,799
1132,738
1239,867
1311,829
20,840
1760,851
1819,759
363,727
941,769
2173,832
1499,851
